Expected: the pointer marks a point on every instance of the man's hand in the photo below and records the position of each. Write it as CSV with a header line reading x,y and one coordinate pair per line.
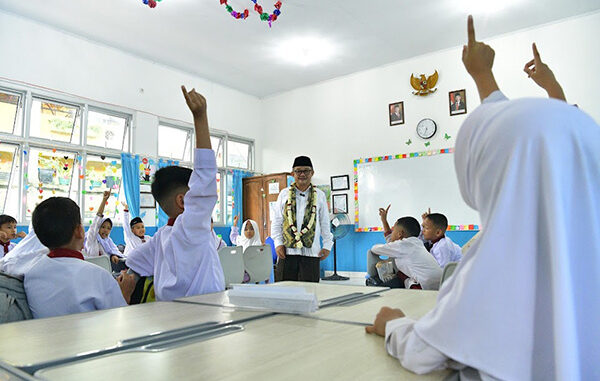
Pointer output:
x,y
280,250
235,220
383,213
543,76
385,314
324,253
127,284
197,105
478,59
21,234
114,259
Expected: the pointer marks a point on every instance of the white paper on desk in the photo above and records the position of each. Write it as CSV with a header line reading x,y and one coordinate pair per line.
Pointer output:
x,y
274,188
273,298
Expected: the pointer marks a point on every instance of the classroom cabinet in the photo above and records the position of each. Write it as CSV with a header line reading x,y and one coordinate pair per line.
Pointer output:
x,y
260,195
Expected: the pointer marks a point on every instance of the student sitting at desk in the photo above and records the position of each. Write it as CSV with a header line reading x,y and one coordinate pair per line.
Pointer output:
x,y
182,256
414,266
8,231
523,304
61,282
134,231
434,234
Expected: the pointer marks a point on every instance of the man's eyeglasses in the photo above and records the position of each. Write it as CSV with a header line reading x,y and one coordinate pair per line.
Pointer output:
x,y
302,171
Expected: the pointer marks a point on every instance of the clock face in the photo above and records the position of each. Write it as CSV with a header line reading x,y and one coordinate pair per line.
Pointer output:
x,y
426,128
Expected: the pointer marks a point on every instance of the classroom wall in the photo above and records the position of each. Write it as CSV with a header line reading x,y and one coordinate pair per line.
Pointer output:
x,y
41,55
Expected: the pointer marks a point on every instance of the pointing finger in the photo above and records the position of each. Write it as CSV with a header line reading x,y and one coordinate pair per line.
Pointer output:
x,y
471,30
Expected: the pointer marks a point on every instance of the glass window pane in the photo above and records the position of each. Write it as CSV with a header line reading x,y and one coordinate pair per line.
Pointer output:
x,y
174,143
229,197
10,175
107,131
9,112
217,211
103,173
55,121
237,154
50,173
217,146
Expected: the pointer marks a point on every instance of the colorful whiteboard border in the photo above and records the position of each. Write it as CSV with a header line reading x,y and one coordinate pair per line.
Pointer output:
x,y
396,157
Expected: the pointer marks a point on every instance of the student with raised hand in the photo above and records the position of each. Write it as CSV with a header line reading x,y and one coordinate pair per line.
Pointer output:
x,y
434,234
249,236
61,282
524,303
543,76
134,231
182,256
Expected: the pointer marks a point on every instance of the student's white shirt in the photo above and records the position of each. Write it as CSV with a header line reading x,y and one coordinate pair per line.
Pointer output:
x,y
11,246
411,257
183,258
219,243
445,251
322,229
61,286
24,255
131,240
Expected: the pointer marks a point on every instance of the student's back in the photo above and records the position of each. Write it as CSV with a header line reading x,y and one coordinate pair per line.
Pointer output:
x,y
445,251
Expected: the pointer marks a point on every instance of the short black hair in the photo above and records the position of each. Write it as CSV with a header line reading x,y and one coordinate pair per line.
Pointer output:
x,y
167,182
55,220
438,220
135,221
410,225
6,219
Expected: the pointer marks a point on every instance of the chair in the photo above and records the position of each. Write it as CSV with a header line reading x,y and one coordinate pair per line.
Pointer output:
x,y
102,261
258,263
448,271
232,263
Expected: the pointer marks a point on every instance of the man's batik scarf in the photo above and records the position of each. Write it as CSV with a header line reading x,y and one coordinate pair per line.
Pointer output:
x,y
305,237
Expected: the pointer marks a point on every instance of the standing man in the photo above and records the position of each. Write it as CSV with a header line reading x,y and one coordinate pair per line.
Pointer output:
x,y
301,219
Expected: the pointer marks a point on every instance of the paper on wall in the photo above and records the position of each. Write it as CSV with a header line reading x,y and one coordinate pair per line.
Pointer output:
x,y
274,188
272,210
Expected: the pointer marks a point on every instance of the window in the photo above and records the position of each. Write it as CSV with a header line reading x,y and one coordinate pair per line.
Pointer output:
x,y
55,121
9,112
101,174
175,143
238,154
10,175
216,216
50,173
108,131
216,143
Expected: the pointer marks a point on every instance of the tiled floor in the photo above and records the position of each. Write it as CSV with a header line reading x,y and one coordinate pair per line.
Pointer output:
x,y
356,279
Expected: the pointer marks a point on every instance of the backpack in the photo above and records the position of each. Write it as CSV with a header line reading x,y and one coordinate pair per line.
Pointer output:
x,y
13,301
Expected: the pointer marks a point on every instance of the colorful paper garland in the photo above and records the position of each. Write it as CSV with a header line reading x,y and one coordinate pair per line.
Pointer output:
x,y
258,8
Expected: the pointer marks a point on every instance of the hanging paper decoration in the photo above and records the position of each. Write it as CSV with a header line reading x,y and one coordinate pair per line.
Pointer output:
x,y
114,162
446,136
54,150
102,157
151,3
408,142
258,8
427,144
145,161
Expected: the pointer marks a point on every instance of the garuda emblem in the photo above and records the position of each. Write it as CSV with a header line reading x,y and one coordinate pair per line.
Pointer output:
x,y
424,86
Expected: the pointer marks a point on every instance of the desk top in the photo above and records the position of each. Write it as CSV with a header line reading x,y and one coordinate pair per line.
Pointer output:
x,y
283,346
326,293
34,341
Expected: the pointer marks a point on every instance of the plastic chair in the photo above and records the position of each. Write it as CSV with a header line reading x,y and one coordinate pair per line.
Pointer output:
x,y
102,261
232,262
448,271
258,263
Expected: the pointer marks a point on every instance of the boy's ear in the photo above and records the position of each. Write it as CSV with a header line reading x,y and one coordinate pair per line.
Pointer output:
x,y
179,200
79,232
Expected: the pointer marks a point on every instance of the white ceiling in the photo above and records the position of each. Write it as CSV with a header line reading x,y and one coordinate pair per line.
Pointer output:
x,y
198,36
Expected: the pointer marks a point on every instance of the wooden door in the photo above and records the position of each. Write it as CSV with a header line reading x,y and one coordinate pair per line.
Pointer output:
x,y
253,201
273,185
259,193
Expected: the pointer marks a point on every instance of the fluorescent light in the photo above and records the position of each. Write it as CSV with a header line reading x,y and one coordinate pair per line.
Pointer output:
x,y
305,50
484,6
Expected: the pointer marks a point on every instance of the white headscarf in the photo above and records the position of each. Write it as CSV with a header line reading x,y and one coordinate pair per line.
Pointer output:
x,y
525,302
245,242
24,255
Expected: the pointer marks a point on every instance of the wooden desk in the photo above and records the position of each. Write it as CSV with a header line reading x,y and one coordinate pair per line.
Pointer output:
x,y
37,341
279,347
414,303
327,294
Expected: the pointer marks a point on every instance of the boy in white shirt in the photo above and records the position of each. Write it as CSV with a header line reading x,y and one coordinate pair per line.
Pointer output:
x,y
414,266
61,282
134,231
441,247
182,256
8,231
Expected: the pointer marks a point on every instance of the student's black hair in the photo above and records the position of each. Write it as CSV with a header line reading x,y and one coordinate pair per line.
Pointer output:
x,y
167,182
438,220
109,221
6,219
55,220
135,221
410,225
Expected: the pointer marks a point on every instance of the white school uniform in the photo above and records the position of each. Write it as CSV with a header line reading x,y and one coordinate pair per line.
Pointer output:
x,y
11,245
61,286
241,240
24,255
524,303
95,245
219,243
411,257
183,258
322,228
445,251
131,240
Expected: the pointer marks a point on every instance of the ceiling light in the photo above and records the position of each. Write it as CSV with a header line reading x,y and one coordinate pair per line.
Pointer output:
x,y
486,6
305,50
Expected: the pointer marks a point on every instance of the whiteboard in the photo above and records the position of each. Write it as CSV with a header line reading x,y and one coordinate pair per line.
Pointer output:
x,y
410,185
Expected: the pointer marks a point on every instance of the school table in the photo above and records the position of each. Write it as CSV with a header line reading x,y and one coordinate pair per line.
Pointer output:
x,y
283,347
33,343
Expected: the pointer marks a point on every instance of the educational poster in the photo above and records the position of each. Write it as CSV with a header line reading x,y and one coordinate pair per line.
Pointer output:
x,y
272,210
148,168
274,188
327,190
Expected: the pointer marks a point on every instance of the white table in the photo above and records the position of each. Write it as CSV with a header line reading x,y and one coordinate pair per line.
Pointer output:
x,y
279,347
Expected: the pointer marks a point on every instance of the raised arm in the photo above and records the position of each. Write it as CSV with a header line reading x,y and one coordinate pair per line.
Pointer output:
x,y
235,231
383,213
543,76
478,59
105,198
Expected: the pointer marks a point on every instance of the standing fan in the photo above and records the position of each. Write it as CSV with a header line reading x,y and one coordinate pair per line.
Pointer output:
x,y
340,226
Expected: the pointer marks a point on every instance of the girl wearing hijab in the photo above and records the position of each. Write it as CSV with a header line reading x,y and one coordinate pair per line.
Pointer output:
x,y
523,303
248,238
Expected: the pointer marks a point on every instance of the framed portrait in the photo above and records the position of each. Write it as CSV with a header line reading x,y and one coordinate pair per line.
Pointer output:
x,y
340,203
145,188
457,101
146,200
396,112
339,183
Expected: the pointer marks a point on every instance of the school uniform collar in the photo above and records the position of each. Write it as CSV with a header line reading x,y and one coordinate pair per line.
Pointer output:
x,y
171,221
5,245
65,253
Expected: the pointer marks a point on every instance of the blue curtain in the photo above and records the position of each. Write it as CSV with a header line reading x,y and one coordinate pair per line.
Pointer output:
x,y
131,182
162,216
238,197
